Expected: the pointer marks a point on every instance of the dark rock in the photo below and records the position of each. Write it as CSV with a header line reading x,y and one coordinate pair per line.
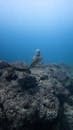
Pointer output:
x,y
44,77
28,81
9,74
4,64
0,73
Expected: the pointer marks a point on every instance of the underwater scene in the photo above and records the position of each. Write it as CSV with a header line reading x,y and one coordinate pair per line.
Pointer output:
x,y
36,65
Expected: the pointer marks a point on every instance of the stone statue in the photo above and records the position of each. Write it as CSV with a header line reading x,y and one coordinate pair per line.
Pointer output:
x,y
37,59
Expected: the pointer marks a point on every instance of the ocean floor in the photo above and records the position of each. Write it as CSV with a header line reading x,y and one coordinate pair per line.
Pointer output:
x,y
38,97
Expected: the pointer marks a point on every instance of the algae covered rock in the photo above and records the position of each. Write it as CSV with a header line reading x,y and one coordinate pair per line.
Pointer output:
x,y
36,97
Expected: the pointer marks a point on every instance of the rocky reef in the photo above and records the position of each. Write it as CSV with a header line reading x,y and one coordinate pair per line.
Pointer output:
x,y
36,97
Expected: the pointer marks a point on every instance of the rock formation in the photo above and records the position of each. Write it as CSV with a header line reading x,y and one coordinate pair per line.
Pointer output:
x,y
36,98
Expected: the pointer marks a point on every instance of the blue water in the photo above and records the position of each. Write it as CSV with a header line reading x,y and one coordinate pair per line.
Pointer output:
x,y
55,48
21,34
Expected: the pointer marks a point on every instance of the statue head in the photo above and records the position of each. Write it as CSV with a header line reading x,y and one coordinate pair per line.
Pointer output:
x,y
37,52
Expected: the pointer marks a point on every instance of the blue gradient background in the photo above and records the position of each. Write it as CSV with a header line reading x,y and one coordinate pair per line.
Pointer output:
x,y
29,24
